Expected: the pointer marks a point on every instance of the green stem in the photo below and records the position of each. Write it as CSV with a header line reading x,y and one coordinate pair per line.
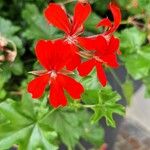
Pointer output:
x,y
88,106
80,105
49,113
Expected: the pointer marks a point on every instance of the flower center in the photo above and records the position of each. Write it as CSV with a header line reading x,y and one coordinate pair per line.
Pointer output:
x,y
107,37
71,39
53,74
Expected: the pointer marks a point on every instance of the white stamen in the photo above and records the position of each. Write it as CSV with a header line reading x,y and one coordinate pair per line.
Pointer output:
x,y
53,74
71,39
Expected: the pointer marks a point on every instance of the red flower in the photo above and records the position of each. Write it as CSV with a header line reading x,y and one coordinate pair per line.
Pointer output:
x,y
52,57
104,47
87,42
105,53
58,17
112,27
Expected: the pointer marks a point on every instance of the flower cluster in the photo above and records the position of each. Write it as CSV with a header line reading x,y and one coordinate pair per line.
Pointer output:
x,y
62,56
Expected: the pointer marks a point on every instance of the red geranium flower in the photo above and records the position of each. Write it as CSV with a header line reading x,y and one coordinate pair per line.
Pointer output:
x,y
112,27
52,57
87,42
104,54
104,47
72,27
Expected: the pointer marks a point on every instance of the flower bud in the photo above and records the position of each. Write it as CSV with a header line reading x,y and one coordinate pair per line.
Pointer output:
x,y
10,55
3,42
2,58
103,147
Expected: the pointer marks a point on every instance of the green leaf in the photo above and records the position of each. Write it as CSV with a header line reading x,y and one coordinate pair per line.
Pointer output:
x,y
145,4
128,90
91,23
145,52
17,67
131,40
135,55
8,31
90,82
23,126
107,105
123,2
66,124
38,28
2,94
77,125
4,77
92,133
146,82
6,28
91,86
100,6
102,100
90,96
137,66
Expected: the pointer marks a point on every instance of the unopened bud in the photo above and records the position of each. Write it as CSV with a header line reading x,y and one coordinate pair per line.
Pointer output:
x,y
10,55
103,147
3,41
2,58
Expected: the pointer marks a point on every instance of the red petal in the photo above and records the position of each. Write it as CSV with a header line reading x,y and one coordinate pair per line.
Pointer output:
x,y
57,97
101,45
111,60
43,52
97,43
88,43
74,88
75,59
113,45
57,17
61,54
37,86
116,15
74,62
81,13
104,22
52,55
101,74
86,67
117,19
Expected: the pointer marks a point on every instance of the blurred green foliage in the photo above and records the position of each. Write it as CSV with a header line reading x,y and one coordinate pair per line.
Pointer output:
x,y
33,124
